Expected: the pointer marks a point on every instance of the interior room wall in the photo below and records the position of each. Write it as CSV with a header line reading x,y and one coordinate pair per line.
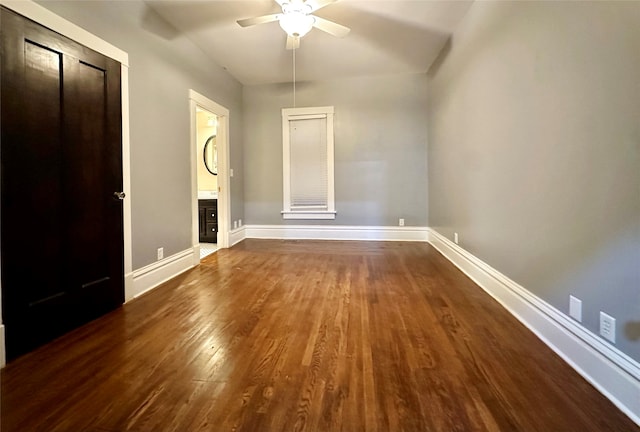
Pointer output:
x,y
534,151
206,180
164,65
380,148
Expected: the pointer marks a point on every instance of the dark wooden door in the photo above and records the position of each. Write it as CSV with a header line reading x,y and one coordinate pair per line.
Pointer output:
x,y
61,162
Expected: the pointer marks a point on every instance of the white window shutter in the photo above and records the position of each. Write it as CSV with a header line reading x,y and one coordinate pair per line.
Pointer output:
x,y
307,144
308,148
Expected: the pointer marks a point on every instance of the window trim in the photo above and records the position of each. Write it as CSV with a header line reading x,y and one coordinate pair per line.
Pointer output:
x,y
289,114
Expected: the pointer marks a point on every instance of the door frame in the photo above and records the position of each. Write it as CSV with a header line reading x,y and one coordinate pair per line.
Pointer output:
x,y
222,144
46,18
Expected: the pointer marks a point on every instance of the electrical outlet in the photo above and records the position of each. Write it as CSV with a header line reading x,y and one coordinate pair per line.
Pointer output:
x,y
160,253
401,222
239,222
608,327
575,308
235,224
231,172
455,238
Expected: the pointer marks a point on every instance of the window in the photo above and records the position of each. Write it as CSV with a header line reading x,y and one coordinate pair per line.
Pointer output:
x,y
307,137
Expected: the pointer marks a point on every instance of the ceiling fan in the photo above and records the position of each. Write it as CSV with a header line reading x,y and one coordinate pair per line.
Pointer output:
x,y
297,20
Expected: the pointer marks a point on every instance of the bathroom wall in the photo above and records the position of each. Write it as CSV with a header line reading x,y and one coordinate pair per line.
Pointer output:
x,y
206,180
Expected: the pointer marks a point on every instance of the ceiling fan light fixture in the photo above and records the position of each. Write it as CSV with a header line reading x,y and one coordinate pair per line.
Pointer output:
x,y
296,24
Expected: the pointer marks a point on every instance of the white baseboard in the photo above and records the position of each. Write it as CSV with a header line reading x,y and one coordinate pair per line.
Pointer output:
x,y
237,235
613,373
336,232
3,356
149,277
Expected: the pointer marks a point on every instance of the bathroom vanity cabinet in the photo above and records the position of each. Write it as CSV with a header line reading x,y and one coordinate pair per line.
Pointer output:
x,y
208,220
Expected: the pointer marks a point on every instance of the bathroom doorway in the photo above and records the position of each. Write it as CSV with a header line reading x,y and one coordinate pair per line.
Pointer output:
x,y
210,180
207,175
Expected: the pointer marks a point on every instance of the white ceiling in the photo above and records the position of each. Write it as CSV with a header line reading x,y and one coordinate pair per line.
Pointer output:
x,y
387,37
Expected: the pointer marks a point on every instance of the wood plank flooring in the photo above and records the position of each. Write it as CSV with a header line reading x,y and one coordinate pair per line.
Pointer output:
x,y
305,336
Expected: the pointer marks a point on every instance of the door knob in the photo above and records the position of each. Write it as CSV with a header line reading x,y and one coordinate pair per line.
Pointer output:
x,y
119,195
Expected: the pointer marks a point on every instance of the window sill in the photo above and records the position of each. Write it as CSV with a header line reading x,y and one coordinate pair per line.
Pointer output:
x,y
308,214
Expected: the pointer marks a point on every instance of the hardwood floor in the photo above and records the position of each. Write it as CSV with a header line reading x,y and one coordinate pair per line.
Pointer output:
x,y
305,336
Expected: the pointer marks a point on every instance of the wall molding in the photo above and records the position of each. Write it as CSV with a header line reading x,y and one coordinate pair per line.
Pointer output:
x,y
129,288
613,373
224,197
237,235
336,232
149,277
3,356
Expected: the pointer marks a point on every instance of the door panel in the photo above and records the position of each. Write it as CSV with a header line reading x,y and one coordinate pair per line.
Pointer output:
x,y
31,173
61,229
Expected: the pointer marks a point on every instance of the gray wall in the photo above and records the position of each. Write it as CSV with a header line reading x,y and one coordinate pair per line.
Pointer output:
x,y
163,66
534,151
380,148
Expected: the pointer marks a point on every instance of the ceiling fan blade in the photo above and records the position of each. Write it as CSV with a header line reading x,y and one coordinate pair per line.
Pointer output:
x,y
259,20
293,42
318,4
330,27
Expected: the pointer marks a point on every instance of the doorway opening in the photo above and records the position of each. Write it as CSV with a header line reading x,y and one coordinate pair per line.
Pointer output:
x,y
210,175
207,180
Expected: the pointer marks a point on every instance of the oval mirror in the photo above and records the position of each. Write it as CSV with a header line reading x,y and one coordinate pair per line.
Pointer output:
x,y
210,155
